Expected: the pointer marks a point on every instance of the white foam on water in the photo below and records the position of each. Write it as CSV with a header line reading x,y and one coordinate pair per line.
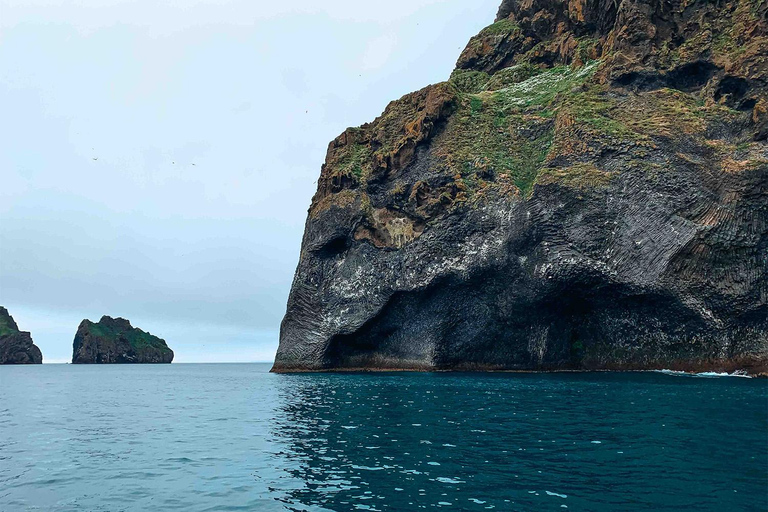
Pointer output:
x,y
597,442
556,494
671,372
475,500
737,373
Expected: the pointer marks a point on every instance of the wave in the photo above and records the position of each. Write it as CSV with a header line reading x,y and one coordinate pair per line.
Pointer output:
x,y
737,373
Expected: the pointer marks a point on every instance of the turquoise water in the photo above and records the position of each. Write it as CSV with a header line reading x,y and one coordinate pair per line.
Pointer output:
x,y
234,437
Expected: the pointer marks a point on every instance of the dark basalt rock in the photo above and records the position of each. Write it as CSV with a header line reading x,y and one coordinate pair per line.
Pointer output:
x,y
588,191
115,341
16,347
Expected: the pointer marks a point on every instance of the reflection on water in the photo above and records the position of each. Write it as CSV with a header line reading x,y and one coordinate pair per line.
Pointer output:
x,y
523,442
234,437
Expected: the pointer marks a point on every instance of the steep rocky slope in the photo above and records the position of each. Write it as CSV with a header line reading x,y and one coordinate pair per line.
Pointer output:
x,y
16,347
589,190
115,341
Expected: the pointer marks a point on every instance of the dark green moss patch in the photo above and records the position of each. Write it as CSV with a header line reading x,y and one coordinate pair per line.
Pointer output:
x,y
135,337
351,163
503,27
476,104
512,75
469,81
7,324
6,330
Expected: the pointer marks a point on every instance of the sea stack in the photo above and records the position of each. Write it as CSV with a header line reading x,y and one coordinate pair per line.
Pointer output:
x,y
115,341
587,191
16,347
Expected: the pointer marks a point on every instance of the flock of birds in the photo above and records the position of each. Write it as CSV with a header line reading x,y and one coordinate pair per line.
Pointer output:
x,y
95,159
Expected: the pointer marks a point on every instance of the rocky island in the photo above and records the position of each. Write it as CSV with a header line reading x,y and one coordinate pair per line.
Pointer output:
x,y
588,191
16,347
115,341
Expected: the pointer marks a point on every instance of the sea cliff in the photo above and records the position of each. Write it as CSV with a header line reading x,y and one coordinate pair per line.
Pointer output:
x,y
116,341
587,191
16,347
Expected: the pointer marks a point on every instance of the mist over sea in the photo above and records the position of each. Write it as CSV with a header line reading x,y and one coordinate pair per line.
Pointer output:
x,y
209,437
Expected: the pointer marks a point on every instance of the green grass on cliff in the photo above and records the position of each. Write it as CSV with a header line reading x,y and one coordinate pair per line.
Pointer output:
x,y
510,76
6,323
539,90
475,82
137,338
507,132
580,176
502,27
353,160
469,81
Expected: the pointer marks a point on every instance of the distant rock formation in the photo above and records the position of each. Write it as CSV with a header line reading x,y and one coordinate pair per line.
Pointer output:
x,y
116,341
586,192
16,347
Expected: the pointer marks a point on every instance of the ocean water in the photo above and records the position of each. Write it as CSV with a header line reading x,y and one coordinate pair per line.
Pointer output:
x,y
235,437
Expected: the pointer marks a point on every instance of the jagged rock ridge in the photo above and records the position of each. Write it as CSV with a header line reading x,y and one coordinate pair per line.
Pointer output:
x,y
116,341
16,347
587,191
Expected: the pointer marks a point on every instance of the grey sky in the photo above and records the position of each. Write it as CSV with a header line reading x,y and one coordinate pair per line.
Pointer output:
x,y
157,159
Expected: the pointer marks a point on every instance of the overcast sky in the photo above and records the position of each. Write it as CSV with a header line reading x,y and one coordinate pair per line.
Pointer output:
x,y
157,158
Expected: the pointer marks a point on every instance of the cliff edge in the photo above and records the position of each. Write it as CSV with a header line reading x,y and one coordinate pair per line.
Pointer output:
x,y
588,190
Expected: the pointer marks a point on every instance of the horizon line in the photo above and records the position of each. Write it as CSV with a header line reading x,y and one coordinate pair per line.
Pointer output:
x,y
184,362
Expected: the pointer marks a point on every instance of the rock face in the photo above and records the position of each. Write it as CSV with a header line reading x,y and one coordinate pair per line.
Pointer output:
x,y
16,347
115,341
589,190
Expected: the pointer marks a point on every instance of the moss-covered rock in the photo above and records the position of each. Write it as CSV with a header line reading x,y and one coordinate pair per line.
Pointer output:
x,y
114,340
16,347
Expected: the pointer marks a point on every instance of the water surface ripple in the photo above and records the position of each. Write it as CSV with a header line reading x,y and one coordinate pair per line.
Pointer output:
x,y
234,437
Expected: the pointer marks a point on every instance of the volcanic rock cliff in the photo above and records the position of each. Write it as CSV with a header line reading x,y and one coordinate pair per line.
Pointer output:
x,y
115,341
589,190
16,347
